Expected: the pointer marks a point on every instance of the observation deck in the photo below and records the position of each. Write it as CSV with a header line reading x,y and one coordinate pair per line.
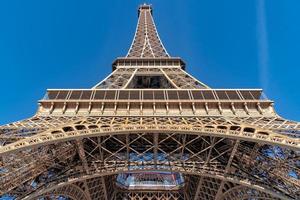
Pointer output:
x,y
155,102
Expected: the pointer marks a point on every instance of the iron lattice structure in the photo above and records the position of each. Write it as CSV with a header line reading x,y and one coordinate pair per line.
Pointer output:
x,y
151,131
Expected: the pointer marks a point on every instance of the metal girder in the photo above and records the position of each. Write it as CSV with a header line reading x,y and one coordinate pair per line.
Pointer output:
x,y
69,191
146,42
208,127
104,188
242,183
88,194
177,138
228,165
151,115
207,163
240,192
200,182
81,154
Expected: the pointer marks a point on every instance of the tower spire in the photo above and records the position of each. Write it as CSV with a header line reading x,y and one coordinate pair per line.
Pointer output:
x,y
150,130
146,42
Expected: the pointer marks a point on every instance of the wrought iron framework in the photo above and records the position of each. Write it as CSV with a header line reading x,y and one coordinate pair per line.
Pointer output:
x,y
150,115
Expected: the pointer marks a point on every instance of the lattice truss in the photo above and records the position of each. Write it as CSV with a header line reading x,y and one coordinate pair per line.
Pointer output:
x,y
150,195
218,162
146,42
175,77
28,127
80,154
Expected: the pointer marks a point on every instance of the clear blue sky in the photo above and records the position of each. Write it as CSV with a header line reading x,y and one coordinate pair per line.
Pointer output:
x,y
71,44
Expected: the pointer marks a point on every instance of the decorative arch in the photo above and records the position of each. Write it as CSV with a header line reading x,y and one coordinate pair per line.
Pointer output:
x,y
67,187
245,193
192,125
66,190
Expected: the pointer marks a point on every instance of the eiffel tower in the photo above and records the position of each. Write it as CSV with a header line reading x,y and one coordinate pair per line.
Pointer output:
x,y
151,131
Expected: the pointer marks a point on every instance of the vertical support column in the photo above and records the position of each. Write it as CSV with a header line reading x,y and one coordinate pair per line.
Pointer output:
x,y
104,188
210,150
234,149
100,149
87,189
155,142
200,182
127,150
82,155
183,146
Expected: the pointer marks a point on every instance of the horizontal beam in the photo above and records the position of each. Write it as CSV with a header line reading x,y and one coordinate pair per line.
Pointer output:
x,y
58,135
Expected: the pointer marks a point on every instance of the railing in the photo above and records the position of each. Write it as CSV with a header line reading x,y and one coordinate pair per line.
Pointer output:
x,y
157,94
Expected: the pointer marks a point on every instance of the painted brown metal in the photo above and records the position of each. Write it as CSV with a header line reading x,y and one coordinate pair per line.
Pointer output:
x,y
227,143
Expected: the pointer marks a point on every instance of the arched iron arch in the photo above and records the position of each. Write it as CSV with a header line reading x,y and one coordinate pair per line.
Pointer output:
x,y
57,135
66,190
243,183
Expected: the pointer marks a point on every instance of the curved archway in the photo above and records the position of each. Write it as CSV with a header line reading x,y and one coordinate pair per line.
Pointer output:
x,y
244,193
70,191
241,132
188,153
64,185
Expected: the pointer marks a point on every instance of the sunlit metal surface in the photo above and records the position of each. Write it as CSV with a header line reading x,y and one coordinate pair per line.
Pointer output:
x,y
151,131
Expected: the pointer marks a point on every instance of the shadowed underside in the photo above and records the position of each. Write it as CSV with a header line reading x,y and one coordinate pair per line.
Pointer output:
x,y
151,131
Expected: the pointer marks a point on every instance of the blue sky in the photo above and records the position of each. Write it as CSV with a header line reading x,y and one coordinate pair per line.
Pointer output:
x,y
71,44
